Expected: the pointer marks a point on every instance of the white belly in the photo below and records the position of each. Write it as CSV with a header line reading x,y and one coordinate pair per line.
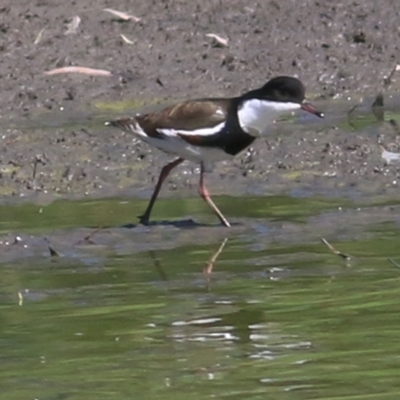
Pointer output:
x,y
181,148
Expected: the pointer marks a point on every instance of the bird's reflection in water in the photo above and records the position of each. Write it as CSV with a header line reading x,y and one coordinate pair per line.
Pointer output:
x,y
207,270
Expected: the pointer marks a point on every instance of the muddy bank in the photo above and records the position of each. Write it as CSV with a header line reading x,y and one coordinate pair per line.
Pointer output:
x,y
53,142
92,233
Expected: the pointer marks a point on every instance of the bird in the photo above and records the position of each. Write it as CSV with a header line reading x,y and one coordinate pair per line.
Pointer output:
x,y
208,130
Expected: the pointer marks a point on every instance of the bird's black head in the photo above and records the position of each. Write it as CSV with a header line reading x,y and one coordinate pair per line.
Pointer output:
x,y
282,89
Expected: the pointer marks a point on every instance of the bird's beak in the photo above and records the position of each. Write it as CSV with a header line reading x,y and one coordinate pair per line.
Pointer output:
x,y
311,109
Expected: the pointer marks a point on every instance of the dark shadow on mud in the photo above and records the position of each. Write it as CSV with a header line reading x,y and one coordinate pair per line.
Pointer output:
x,y
183,223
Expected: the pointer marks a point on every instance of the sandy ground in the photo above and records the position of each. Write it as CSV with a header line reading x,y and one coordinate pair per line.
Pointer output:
x,y
52,140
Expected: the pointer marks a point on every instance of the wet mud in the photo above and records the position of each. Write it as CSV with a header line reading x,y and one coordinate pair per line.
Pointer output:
x,y
53,142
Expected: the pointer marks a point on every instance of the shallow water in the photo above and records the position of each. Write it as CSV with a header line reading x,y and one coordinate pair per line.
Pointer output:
x,y
144,312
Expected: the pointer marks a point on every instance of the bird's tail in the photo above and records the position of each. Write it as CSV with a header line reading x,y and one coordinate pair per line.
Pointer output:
x,y
126,124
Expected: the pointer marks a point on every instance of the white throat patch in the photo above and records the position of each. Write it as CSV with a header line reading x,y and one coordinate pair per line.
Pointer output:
x,y
255,115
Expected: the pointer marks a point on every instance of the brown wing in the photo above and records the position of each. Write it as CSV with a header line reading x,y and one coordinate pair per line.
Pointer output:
x,y
187,116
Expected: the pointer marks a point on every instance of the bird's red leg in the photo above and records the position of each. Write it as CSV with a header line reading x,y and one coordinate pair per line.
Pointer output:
x,y
144,219
203,192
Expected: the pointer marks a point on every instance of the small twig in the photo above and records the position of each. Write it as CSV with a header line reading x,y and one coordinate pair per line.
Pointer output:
x,y
387,80
122,15
79,70
39,36
38,160
88,239
218,41
349,115
352,109
334,251
53,253
396,264
125,39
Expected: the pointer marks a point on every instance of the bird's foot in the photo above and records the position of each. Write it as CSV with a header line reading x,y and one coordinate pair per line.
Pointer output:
x,y
226,223
143,219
